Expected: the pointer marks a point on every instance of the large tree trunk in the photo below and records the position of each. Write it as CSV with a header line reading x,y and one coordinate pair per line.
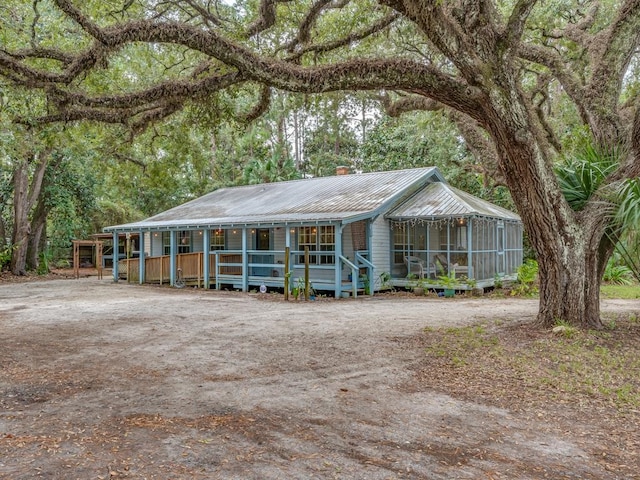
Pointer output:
x,y
36,236
567,243
570,247
570,283
20,236
24,197
3,233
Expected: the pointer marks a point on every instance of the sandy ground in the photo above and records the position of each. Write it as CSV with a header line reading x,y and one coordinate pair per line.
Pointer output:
x,y
101,380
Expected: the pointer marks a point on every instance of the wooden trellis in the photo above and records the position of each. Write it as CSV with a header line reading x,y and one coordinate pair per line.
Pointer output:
x,y
97,244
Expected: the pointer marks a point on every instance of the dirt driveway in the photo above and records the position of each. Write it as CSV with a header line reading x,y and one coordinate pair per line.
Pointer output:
x,y
101,380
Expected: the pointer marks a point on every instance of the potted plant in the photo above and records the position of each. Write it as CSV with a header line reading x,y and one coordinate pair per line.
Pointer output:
x,y
449,283
413,284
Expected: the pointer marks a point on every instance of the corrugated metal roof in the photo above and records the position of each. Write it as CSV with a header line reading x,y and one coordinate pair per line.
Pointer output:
x,y
443,200
317,199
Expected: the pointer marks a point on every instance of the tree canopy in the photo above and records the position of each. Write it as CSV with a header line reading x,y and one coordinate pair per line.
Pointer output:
x,y
519,78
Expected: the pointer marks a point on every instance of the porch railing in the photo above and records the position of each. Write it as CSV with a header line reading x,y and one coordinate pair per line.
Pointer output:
x,y
263,266
156,269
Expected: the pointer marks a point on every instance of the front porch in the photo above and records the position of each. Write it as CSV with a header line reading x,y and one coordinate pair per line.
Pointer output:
x,y
228,269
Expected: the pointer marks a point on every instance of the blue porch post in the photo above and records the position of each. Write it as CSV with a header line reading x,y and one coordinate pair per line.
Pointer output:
x,y
141,258
172,256
370,250
116,255
338,262
470,272
287,244
206,264
245,261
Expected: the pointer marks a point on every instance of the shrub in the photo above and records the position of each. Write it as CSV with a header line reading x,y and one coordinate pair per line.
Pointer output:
x,y
618,274
527,275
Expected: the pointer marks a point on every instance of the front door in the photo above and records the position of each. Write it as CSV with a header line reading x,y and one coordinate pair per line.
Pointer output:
x,y
263,243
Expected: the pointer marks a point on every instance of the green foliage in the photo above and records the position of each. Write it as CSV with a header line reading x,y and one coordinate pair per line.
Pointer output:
x,y
273,169
617,274
526,281
329,138
448,281
469,282
580,176
5,257
43,264
414,140
384,281
564,328
628,220
620,291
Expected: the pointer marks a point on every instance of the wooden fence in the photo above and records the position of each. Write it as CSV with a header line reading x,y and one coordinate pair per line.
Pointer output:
x,y
190,266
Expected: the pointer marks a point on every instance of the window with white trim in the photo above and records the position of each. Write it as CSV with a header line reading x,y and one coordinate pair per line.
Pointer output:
x,y
217,240
318,239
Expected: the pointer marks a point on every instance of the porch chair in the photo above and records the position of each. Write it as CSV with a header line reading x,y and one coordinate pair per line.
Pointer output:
x,y
415,265
443,267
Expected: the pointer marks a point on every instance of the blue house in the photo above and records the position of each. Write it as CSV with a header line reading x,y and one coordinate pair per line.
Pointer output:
x,y
357,229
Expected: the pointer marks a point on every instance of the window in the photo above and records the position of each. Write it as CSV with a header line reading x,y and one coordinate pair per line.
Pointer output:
x,y
399,244
184,242
307,238
321,239
166,243
327,244
217,240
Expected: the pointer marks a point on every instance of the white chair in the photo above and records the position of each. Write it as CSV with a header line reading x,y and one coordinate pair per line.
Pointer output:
x,y
415,266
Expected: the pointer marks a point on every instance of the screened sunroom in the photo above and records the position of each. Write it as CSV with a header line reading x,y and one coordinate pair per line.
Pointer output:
x,y
445,231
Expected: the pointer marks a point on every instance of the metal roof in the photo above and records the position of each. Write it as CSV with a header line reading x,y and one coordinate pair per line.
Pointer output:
x,y
322,199
443,200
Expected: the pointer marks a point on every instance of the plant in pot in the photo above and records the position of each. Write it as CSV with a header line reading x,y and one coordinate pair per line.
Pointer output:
x,y
413,284
421,287
448,282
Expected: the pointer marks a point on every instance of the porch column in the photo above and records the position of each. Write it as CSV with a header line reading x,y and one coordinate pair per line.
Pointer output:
x,y
115,257
470,272
141,258
449,225
245,261
206,264
287,261
370,270
172,256
338,262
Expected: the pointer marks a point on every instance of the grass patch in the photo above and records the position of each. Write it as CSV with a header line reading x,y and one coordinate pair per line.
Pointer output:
x,y
520,366
620,291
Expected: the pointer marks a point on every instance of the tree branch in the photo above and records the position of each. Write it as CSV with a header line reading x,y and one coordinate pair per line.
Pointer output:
x,y
476,139
551,59
347,40
367,74
516,23
261,107
75,14
307,23
166,91
266,17
613,52
481,147
405,104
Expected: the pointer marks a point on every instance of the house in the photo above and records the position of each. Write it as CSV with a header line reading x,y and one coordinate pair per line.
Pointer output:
x,y
356,228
